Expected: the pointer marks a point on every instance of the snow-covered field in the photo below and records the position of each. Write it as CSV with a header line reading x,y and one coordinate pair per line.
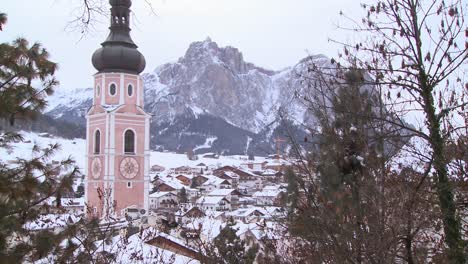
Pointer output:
x,y
76,149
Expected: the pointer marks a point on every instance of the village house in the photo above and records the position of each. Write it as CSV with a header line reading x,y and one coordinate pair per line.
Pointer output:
x,y
231,177
182,170
163,200
186,215
167,242
248,182
270,176
214,183
232,195
216,203
270,195
247,215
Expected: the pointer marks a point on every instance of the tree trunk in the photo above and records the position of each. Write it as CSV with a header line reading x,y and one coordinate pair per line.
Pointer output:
x,y
444,187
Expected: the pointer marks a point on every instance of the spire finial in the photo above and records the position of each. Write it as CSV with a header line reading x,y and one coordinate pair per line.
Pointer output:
x,y
119,52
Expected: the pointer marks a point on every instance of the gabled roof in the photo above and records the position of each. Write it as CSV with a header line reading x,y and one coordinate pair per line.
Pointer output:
x,y
215,181
267,193
244,212
193,209
229,171
211,200
161,194
223,192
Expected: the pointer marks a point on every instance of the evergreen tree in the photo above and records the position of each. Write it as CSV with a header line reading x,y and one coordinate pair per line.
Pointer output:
x,y
339,216
155,183
292,189
26,78
25,185
182,195
194,184
230,249
22,66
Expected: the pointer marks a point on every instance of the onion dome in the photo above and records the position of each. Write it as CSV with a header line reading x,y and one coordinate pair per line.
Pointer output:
x,y
126,3
119,53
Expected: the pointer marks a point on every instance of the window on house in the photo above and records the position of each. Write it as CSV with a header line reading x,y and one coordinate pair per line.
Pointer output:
x,y
112,89
129,184
129,139
97,142
98,90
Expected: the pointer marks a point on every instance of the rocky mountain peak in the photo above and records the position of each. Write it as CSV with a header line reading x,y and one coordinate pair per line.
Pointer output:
x,y
208,52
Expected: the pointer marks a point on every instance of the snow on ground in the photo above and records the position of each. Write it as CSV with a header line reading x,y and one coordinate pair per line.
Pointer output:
x,y
208,143
136,250
52,221
76,148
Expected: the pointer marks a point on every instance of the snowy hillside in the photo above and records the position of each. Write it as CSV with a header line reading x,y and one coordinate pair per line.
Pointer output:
x,y
76,149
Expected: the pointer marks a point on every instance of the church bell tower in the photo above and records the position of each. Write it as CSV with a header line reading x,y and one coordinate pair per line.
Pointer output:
x,y
117,127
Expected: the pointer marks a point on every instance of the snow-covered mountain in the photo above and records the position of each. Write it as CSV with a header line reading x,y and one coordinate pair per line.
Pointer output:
x,y
210,100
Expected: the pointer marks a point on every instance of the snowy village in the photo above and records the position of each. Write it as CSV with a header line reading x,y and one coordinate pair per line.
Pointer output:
x,y
350,156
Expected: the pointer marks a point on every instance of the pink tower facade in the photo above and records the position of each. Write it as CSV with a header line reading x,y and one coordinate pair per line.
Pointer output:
x,y
117,133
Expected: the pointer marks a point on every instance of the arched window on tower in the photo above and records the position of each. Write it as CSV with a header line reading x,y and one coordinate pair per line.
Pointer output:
x,y
129,139
97,142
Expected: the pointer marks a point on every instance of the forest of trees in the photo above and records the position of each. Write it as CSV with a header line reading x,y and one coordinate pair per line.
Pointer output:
x,y
357,200
375,188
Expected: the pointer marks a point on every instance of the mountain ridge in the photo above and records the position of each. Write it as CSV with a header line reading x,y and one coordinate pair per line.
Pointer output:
x,y
210,92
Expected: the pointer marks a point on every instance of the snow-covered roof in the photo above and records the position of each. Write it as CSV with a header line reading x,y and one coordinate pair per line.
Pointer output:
x,y
267,193
214,181
221,192
211,200
231,174
243,212
188,176
136,249
110,108
269,172
172,181
161,194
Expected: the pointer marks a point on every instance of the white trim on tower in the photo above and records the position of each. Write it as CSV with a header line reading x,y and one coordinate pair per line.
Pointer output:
x,y
137,91
122,89
103,92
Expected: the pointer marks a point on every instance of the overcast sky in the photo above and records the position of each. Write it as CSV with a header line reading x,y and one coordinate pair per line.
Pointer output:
x,y
270,33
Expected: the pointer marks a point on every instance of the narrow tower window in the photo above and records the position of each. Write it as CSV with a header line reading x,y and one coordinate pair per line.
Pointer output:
x,y
130,90
129,139
97,142
98,90
112,89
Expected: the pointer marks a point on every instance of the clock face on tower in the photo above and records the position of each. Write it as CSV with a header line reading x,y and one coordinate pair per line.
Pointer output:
x,y
129,167
96,168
